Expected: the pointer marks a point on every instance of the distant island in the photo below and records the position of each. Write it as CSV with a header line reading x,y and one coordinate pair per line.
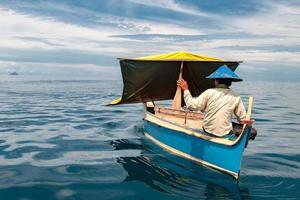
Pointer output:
x,y
13,73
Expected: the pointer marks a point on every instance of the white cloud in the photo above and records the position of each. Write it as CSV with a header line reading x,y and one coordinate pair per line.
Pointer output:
x,y
16,27
175,6
279,22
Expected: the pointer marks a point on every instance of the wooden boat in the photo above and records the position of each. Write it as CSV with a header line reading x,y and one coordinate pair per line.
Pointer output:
x,y
178,130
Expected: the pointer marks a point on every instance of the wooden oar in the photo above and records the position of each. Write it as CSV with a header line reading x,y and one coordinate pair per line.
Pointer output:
x,y
176,104
248,114
249,111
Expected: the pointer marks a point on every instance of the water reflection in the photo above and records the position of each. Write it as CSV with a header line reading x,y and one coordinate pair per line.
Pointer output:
x,y
170,174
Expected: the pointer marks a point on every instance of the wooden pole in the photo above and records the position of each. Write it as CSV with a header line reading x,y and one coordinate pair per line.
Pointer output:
x,y
176,104
249,111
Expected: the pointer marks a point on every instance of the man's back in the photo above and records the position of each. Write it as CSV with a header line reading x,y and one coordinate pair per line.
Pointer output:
x,y
218,105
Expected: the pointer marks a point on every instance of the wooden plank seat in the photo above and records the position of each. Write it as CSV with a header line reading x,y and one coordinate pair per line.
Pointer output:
x,y
189,119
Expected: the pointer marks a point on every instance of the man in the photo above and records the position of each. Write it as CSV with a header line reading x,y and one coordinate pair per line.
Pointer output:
x,y
218,104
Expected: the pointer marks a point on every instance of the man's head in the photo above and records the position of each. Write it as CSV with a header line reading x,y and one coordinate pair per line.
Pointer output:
x,y
224,81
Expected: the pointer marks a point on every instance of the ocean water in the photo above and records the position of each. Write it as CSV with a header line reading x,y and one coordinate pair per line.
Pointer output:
x,y
58,140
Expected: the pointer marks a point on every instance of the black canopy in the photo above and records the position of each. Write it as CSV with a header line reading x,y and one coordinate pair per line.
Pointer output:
x,y
149,80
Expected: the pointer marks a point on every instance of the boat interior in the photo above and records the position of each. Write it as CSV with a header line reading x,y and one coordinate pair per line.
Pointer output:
x,y
189,119
185,118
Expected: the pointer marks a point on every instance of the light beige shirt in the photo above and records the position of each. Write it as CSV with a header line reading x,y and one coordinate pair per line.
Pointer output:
x,y
218,106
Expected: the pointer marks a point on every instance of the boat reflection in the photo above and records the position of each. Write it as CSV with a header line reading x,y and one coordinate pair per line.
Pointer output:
x,y
170,174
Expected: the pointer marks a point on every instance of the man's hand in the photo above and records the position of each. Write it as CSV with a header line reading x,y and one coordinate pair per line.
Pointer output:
x,y
182,84
247,121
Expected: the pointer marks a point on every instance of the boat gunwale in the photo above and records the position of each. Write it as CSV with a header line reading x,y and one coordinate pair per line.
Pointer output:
x,y
191,132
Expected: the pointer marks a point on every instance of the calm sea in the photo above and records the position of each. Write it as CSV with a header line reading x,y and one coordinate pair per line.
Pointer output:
x,y
59,141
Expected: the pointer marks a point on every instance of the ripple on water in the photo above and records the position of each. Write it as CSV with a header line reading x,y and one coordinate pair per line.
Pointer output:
x,y
273,165
113,124
266,187
83,126
263,120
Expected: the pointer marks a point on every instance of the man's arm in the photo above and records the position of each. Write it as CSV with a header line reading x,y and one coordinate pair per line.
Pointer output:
x,y
239,110
198,103
240,113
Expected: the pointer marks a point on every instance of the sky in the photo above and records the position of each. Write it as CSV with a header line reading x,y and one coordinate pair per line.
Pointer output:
x,y
85,37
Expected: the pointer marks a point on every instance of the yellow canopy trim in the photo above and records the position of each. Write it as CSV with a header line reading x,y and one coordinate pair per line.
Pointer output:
x,y
116,101
178,56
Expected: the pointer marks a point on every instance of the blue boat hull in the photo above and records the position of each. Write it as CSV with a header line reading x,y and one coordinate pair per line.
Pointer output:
x,y
226,158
